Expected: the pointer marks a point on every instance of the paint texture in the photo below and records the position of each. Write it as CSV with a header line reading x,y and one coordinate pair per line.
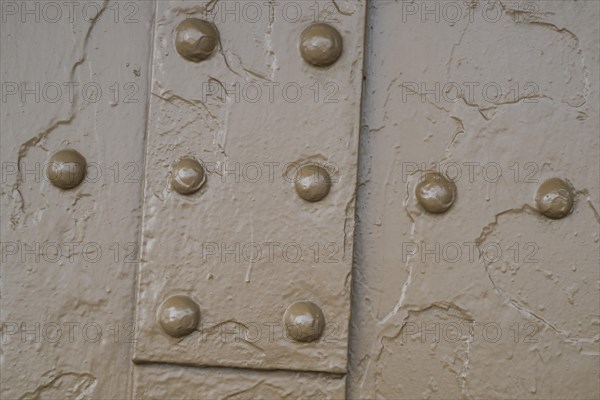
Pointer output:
x,y
243,247
67,292
414,278
498,297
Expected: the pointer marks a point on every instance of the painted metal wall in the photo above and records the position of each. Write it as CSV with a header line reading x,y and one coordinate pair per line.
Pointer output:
x,y
489,299
73,76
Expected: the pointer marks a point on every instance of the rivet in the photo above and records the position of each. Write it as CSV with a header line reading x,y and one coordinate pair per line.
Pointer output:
x,y
313,182
304,321
436,193
554,198
196,39
321,44
66,169
178,316
188,175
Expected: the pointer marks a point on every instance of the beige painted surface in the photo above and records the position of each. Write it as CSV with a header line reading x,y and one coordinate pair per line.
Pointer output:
x,y
246,246
71,277
156,382
425,320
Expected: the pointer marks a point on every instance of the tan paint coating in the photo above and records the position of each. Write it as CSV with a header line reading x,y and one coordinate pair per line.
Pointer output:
x,y
304,321
80,287
195,39
188,176
321,44
390,297
188,243
435,192
178,316
160,382
554,198
66,168
312,182
410,288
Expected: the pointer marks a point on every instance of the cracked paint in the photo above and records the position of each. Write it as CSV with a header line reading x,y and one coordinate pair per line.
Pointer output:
x,y
61,282
547,310
39,139
227,130
74,385
156,382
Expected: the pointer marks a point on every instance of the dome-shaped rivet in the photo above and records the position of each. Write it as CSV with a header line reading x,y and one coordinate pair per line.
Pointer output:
x,y
196,39
188,176
312,182
554,198
178,316
304,321
436,193
321,44
66,169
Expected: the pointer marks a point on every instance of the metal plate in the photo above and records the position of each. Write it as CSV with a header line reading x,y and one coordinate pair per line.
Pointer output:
x,y
246,246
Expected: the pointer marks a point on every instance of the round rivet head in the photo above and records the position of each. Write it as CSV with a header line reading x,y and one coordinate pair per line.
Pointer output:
x,y
196,39
312,182
436,193
321,44
188,176
304,321
178,316
66,169
555,198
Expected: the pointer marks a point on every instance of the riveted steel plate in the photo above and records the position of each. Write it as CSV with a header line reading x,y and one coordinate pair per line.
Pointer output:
x,y
246,246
